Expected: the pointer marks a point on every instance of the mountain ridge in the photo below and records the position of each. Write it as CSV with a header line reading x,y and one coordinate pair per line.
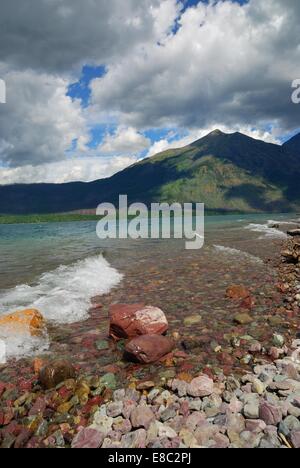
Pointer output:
x,y
227,172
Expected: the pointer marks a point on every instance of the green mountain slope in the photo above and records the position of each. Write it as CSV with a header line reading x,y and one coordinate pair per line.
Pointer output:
x,y
228,172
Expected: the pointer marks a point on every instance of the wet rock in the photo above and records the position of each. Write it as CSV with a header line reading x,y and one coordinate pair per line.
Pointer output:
x,y
145,385
102,345
148,349
201,386
278,340
129,321
237,292
294,232
270,414
142,416
88,438
243,319
192,320
25,321
55,373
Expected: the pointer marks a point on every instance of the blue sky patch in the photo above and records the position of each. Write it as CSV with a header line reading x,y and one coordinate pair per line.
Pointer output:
x,y
81,89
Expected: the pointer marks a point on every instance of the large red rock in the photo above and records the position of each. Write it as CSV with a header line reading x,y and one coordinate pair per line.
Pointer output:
x,y
147,349
129,321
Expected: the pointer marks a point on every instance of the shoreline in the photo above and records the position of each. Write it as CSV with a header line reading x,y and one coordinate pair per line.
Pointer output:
x,y
53,418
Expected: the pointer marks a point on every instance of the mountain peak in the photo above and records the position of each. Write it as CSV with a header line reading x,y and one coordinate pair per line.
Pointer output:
x,y
216,132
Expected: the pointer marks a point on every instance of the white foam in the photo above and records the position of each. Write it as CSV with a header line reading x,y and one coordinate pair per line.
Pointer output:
x,y
62,296
267,231
22,344
238,253
280,223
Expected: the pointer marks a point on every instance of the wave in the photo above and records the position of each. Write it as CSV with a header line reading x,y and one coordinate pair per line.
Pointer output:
x,y
238,253
62,296
267,231
280,223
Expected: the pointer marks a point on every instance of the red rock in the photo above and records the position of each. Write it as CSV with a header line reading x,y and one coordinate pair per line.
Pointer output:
x,y
295,439
129,321
226,359
237,292
248,303
270,414
141,416
38,407
23,438
6,416
147,349
2,388
88,438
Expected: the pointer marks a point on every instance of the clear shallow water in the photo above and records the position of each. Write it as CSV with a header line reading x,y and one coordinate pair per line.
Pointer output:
x,y
58,267
29,250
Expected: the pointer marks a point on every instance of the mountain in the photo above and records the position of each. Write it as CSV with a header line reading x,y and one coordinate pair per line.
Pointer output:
x,y
228,172
293,144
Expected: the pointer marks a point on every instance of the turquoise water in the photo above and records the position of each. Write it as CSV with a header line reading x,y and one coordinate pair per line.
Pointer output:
x,y
58,267
29,250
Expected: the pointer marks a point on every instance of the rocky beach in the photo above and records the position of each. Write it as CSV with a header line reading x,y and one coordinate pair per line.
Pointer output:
x,y
165,361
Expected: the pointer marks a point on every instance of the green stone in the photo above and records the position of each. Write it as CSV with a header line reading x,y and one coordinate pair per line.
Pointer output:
x,y
101,345
109,381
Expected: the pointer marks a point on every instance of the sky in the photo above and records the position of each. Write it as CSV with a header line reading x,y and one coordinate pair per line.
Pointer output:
x,y
94,86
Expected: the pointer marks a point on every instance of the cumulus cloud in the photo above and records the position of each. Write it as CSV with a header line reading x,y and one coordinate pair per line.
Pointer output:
x,y
224,65
227,63
39,122
70,170
126,140
57,35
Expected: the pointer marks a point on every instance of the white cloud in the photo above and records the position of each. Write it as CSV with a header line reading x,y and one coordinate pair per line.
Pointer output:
x,y
228,66
71,170
58,35
227,63
39,122
126,140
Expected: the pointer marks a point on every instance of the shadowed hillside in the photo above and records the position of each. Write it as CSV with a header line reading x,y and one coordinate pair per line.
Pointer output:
x,y
228,172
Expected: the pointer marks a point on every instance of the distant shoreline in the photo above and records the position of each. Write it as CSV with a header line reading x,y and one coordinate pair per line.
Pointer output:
x,y
76,217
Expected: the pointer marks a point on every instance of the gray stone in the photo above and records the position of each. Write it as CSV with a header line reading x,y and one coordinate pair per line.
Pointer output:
x,y
114,409
201,386
136,439
119,395
102,423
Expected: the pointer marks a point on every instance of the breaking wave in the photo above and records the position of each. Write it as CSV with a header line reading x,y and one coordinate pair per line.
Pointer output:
x,y
62,296
238,253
